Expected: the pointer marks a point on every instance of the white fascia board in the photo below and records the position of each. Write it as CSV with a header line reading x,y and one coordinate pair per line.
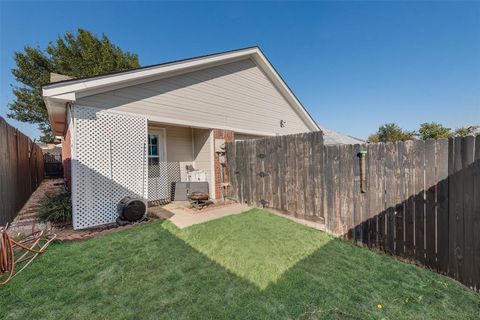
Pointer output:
x,y
107,80
65,97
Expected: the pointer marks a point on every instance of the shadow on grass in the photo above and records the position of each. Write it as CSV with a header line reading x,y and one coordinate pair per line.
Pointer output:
x,y
149,272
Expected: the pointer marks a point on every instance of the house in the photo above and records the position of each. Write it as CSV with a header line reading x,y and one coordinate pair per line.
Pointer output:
x,y
51,148
133,133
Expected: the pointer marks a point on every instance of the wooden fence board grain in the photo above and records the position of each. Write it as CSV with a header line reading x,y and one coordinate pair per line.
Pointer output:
x,y
332,220
451,210
291,175
317,172
399,198
308,176
390,196
421,200
468,153
273,172
419,192
21,170
336,189
242,171
355,196
430,206
409,199
442,205
268,168
300,175
259,173
347,185
282,158
456,198
476,213
249,190
382,221
233,176
373,194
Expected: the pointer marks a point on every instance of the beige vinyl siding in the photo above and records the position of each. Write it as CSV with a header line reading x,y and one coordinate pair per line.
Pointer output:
x,y
202,153
179,146
236,95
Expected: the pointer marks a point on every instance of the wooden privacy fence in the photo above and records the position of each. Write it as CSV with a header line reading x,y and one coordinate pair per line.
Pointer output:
x,y
421,199
21,170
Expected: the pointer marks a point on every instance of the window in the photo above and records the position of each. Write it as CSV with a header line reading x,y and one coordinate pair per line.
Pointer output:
x,y
153,145
153,158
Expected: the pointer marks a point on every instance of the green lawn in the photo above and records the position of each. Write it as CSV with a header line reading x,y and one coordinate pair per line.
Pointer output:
x,y
252,265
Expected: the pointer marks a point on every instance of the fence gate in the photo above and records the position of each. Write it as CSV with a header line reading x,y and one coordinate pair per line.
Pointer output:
x,y
53,165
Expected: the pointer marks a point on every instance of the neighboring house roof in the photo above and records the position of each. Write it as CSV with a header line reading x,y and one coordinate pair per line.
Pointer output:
x,y
50,148
333,137
57,95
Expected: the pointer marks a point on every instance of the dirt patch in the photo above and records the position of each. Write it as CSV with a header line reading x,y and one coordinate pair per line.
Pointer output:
x,y
68,234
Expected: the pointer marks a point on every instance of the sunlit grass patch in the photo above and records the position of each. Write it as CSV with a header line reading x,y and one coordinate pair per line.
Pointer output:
x,y
255,245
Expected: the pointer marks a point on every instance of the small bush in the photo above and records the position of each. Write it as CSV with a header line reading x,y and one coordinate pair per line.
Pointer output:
x,y
56,209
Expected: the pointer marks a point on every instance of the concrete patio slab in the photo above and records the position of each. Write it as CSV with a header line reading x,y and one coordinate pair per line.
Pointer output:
x,y
183,218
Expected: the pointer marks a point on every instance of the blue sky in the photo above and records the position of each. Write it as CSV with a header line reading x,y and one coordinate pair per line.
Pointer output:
x,y
354,65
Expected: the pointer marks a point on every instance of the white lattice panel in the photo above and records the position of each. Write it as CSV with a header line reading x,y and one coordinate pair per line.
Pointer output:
x,y
109,163
157,181
161,175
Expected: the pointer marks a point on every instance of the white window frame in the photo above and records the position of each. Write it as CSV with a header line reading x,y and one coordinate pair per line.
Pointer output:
x,y
152,131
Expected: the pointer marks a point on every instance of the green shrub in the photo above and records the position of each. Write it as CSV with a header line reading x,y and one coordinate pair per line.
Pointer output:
x,y
56,209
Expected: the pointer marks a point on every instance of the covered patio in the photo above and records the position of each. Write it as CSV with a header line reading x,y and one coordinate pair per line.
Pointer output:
x,y
178,154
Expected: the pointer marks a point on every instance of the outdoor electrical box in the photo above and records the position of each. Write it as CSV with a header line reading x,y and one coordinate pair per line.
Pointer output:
x,y
220,145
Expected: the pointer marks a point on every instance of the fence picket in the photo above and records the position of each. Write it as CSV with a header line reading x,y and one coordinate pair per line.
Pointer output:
x,y
399,185
419,192
409,199
430,195
476,211
468,153
442,205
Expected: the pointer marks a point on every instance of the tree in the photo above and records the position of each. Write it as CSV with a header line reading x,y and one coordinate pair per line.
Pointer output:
x,y
77,55
434,130
467,131
373,138
390,132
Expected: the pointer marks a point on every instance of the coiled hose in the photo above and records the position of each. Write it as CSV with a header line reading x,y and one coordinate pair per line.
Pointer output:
x,y
26,249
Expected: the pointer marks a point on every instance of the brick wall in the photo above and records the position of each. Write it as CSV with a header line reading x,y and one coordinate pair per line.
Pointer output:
x,y
229,136
66,158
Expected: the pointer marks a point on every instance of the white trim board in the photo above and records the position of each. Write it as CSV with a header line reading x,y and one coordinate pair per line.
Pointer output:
x,y
212,164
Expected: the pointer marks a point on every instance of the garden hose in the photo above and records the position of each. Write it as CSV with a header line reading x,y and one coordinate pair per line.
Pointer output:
x,y
28,249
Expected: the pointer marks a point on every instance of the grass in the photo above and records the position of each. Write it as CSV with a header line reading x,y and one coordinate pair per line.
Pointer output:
x,y
252,265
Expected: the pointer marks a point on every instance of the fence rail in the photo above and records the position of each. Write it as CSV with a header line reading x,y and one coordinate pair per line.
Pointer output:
x,y
21,170
420,199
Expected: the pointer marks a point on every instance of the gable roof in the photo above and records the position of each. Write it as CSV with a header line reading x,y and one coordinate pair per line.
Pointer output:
x,y
57,95
334,137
